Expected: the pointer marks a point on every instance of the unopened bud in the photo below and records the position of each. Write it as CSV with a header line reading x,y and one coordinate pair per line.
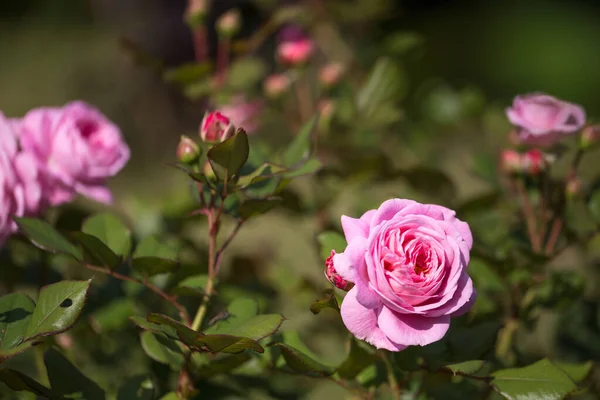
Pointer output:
x,y
276,85
589,136
331,74
229,23
208,171
216,127
511,161
295,52
187,151
196,12
573,187
535,161
333,277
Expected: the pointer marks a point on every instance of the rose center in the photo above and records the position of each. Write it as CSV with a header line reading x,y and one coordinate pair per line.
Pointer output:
x,y
86,128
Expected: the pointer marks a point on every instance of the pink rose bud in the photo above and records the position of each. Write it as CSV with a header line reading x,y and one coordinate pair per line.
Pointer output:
x,y
295,52
229,23
331,74
589,136
196,12
276,85
573,187
333,277
544,120
535,161
216,127
326,108
511,161
188,151
78,149
409,265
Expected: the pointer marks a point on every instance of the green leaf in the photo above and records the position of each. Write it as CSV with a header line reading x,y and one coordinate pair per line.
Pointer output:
x,y
143,323
182,332
239,311
150,266
311,166
199,89
9,353
302,363
256,328
66,379
329,301
162,349
44,236
58,307
473,342
385,83
94,251
403,42
358,359
114,316
468,367
15,314
226,344
254,207
111,231
192,285
20,382
139,387
245,73
330,240
220,365
577,372
228,157
541,380
150,246
187,73
300,148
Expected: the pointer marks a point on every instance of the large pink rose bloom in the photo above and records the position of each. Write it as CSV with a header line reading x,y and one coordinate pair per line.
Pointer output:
x,y
77,146
543,120
21,187
408,262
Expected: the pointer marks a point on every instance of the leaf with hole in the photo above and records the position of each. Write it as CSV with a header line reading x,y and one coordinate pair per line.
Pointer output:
x,y
111,231
44,236
95,252
15,315
541,380
58,307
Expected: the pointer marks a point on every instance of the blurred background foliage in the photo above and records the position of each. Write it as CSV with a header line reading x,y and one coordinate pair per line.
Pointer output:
x,y
460,63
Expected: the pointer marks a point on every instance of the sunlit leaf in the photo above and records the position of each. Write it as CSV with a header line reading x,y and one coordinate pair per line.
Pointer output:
x,y
95,252
162,349
15,315
111,231
44,236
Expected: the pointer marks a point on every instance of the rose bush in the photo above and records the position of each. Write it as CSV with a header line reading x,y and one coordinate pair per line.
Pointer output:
x,y
408,262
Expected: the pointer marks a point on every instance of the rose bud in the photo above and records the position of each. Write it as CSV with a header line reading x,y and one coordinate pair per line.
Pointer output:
x,y
276,85
196,12
331,74
589,136
295,52
573,187
333,277
229,23
216,127
188,151
511,161
535,161
543,120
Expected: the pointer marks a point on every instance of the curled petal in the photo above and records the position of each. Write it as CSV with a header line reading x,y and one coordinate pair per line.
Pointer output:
x,y
410,329
354,228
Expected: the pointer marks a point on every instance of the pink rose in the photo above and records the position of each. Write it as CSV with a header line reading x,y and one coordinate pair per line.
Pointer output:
x,y
331,74
21,187
408,262
543,119
244,114
295,52
276,85
216,127
77,147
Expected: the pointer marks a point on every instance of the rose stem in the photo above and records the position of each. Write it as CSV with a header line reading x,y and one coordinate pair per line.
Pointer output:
x,y
222,59
528,214
394,385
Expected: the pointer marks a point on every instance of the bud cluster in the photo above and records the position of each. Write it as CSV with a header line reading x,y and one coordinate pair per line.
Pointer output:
x,y
532,162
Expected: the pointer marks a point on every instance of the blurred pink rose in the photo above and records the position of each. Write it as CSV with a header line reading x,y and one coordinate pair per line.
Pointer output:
x,y
216,127
77,147
543,119
295,52
408,262
21,187
331,73
244,114
276,85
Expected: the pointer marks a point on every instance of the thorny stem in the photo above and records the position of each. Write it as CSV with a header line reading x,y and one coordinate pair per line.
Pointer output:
x,y
394,385
226,243
171,299
208,290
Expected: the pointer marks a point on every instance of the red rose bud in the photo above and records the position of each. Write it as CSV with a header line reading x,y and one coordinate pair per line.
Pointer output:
x,y
573,187
229,23
295,52
276,85
331,74
535,161
188,151
589,136
511,161
333,277
216,127
196,12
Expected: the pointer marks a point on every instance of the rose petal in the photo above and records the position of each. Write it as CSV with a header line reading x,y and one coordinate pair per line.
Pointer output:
x,y
354,228
362,322
388,209
410,329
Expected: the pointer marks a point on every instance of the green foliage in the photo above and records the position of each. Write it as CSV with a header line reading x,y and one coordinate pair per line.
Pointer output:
x,y
43,235
111,231
228,157
67,381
